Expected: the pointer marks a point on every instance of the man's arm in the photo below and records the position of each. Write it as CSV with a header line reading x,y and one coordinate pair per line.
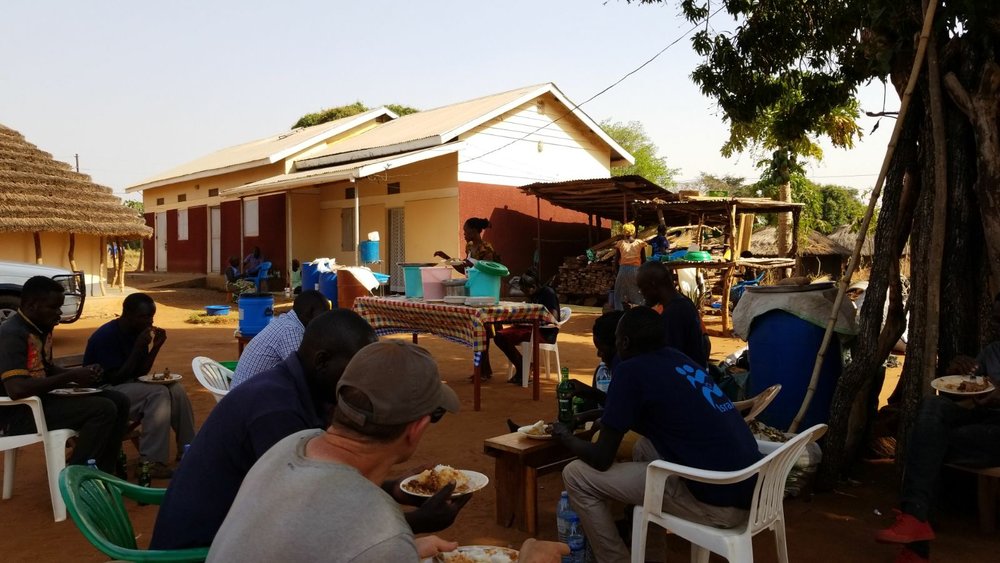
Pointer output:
x,y
23,386
135,363
598,455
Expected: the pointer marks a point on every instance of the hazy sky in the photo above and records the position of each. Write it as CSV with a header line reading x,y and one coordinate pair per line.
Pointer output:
x,y
136,88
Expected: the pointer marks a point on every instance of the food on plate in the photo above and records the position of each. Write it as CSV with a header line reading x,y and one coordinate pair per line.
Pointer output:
x,y
539,428
82,390
478,554
973,385
431,481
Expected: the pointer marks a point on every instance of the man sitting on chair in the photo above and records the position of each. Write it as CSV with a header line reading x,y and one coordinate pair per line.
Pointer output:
x,y
683,417
127,348
26,370
509,339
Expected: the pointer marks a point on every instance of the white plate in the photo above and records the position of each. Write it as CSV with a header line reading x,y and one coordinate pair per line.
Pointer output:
x,y
433,300
149,378
949,384
71,391
455,299
524,430
479,553
476,481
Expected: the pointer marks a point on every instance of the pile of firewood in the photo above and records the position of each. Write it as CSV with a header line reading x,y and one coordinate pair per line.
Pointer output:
x,y
578,279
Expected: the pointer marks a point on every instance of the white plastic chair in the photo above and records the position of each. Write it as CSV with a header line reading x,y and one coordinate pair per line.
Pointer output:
x,y
212,375
54,443
543,348
735,544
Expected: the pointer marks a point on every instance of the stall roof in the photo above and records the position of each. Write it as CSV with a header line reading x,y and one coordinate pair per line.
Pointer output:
x,y
603,197
714,209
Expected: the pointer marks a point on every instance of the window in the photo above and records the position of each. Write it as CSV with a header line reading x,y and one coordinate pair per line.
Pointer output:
x,y
182,198
392,188
159,201
212,192
347,229
251,224
182,224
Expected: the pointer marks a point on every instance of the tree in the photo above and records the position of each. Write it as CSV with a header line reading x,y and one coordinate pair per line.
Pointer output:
x,y
796,67
726,186
340,112
633,138
826,206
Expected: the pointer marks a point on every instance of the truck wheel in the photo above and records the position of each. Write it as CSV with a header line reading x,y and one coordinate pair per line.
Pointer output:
x,y
8,306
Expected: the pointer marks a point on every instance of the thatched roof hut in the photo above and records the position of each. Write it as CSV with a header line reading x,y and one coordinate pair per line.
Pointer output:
x,y
764,242
41,194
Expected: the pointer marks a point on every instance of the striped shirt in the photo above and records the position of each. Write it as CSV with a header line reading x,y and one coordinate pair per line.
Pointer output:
x,y
270,347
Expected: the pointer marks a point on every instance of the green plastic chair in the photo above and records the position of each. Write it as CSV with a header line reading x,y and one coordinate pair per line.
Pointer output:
x,y
94,501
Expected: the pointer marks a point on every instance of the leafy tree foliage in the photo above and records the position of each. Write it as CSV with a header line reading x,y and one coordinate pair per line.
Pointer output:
x,y
633,138
726,186
826,206
340,112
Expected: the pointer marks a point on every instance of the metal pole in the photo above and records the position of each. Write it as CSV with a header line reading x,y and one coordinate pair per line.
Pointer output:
x,y
357,223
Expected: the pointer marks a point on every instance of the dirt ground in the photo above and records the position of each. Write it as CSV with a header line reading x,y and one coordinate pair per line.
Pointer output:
x,y
834,526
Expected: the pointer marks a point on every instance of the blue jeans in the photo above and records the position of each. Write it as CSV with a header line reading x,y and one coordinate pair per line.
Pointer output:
x,y
946,432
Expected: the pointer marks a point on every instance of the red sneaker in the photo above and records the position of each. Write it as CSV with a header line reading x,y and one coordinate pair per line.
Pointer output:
x,y
907,556
906,529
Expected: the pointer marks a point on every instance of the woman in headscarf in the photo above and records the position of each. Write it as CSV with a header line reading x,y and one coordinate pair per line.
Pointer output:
x,y
630,253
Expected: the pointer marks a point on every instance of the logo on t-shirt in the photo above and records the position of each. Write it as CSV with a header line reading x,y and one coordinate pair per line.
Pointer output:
x,y
712,393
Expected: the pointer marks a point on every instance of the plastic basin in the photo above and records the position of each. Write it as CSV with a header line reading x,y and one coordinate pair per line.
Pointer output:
x,y
431,279
217,310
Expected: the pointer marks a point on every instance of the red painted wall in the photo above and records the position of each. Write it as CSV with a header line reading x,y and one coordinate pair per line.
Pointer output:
x,y
515,228
189,255
232,230
149,245
271,233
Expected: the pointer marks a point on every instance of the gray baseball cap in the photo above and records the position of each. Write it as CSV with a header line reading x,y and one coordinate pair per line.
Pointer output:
x,y
400,379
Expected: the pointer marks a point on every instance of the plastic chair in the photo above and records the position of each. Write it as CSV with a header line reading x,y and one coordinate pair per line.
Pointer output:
x,y
543,348
735,544
753,406
212,375
261,276
54,444
739,288
94,500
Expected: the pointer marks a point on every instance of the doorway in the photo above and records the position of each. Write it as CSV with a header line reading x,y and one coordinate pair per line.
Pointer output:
x,y
215,232
397,249
161,241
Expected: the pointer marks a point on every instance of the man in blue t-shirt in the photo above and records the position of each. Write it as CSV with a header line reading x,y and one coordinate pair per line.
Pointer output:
x,y
679,315
684,418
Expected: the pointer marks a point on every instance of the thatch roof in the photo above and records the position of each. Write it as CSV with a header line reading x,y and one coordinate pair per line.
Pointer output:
x,y
39,193
764,242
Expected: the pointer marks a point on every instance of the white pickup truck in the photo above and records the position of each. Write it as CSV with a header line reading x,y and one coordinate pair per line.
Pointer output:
x,y
14,274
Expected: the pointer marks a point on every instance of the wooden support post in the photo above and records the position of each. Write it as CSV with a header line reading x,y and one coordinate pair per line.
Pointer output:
x,y
794,251
72,250
38,247
103,268
538,241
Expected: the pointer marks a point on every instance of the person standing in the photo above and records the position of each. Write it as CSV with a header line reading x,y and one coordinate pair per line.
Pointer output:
x,y
126,348
279,338
26,370
630,253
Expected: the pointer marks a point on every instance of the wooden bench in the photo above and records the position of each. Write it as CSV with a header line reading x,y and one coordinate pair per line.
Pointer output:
x,y
519,462
988,494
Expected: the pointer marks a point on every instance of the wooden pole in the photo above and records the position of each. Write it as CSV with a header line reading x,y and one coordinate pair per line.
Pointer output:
x,y
72,251
103,268
866,221
38,247
120,268
727,274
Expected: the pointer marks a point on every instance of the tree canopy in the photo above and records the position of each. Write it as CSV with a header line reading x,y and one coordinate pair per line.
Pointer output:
x,y
633,138
340,112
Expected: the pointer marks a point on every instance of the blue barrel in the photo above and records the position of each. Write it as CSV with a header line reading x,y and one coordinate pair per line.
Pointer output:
x,y
783,350
328,286
369,251
256,311
310,276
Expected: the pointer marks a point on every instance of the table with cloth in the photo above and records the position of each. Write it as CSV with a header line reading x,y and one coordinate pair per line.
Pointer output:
x,y
457,323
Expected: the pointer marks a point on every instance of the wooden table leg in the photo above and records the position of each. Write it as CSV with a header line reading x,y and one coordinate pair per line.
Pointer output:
x,y
510,483
414,338
536,387
530,501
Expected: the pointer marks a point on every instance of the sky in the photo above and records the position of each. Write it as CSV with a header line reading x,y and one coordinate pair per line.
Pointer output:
x,y
136,88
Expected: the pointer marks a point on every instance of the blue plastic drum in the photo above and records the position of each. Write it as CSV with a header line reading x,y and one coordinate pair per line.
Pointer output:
x,y
256,312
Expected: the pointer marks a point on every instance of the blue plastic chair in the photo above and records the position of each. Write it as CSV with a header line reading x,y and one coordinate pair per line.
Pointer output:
x,y
262,272
740,287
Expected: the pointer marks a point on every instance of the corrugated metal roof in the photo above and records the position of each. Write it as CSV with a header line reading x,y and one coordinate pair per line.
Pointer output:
x,y
442,125
261,151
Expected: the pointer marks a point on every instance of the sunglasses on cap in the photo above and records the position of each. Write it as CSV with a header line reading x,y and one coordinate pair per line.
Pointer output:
x,y
437,413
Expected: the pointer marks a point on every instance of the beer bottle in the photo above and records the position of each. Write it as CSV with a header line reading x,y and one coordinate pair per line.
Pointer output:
x,y
564,394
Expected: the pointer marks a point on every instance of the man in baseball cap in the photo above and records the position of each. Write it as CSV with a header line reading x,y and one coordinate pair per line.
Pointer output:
x,y
317,494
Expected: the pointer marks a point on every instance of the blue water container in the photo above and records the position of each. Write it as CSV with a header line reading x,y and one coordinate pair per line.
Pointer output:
x,y
256,312
783,350
414,284
328,286
369,251
310,276
484,279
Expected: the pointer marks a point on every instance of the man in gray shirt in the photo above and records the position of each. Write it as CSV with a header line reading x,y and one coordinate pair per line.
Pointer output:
x,y
316,493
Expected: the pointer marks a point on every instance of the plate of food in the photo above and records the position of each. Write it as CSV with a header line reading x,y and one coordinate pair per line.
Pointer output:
x,y
162,378
540,430
478,554
71,391
430,481
963,384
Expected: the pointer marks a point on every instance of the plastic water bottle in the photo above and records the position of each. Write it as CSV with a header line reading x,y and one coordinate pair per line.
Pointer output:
x,y
185,452
577,543
563,512
603,377
92,464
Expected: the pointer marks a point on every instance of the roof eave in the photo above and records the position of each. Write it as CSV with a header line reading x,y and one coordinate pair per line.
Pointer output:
x,y
351,122
367,154
198,175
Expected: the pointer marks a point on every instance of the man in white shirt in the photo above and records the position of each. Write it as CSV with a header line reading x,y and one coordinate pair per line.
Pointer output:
x,y
280,338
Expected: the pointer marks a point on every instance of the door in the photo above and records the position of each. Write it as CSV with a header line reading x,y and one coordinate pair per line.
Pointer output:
x,y
215,230
397,250
161,241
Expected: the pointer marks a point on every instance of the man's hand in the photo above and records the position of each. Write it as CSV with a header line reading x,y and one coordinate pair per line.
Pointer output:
x,y
534,551
438,512
159,336
562,430
961,365
440,254
990,400
431,546
86,375
145,337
